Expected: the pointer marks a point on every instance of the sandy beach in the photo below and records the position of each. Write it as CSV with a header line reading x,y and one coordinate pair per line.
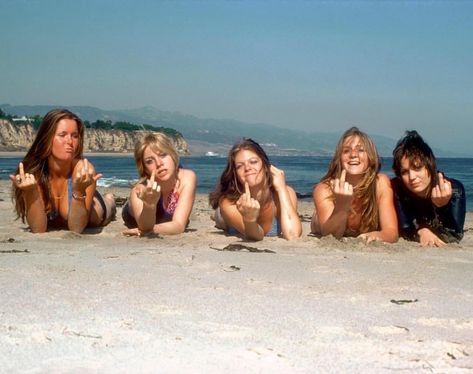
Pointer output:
x,y
203,302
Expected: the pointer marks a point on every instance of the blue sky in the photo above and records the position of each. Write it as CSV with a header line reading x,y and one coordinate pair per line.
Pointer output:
x,y
318,66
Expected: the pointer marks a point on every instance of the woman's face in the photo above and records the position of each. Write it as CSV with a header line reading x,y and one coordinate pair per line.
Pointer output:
x,y
160,162
354,157
65,140
249,167
415,177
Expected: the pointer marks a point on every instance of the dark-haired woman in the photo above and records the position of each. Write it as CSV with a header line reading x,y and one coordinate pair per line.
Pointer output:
x,y
430,207
54,187
252,198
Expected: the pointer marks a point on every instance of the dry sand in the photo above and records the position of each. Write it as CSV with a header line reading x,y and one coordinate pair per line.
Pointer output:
x,y
103,303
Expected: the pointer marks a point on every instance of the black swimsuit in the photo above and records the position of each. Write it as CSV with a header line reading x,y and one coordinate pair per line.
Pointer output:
x,y
414,213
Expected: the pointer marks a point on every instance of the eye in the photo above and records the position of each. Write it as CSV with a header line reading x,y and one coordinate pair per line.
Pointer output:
x,y
149,161
75,136
254,161
404,172
162,155
238,166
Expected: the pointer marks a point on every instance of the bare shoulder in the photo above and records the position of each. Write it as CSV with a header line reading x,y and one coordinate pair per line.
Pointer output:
x,y
225,202
383,181
187,176
321,191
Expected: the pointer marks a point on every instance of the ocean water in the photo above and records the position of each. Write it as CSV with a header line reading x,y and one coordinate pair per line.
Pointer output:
x,y
301,171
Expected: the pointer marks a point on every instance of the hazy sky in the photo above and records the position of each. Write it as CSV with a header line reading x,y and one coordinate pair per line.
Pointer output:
x,y
323,66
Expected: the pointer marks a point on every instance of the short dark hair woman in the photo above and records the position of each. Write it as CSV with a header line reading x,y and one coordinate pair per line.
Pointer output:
x,y
430,207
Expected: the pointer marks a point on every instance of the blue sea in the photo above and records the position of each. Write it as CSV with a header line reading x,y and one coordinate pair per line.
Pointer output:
x,y
301,171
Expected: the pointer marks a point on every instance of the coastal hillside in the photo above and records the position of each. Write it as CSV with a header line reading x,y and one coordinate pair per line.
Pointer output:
x,y
212,134
19,136
217,134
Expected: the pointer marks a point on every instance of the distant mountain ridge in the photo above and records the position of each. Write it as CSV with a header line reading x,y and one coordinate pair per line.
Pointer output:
x,y
218,131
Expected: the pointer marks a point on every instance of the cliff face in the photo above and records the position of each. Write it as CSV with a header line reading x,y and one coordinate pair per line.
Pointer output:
x,y
19,137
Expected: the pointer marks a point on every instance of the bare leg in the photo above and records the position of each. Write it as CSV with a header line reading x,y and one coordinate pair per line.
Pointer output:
x,y
314,224
97,213
219,221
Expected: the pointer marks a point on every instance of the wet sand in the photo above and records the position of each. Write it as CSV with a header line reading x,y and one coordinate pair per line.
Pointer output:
x,y
202,302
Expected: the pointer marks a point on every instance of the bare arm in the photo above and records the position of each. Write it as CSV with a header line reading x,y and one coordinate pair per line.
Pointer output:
x,y
387,213
143,203
290,223
31,193
332,214
84,181
243,215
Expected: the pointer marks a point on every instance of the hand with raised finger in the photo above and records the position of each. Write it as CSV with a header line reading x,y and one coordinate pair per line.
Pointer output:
x,y
442,192
247,206
151,193
428,239
23,181
343,191
83,177
279,179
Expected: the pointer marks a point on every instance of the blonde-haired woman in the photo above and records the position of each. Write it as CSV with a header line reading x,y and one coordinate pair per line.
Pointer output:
x,y
353,198
161,201
54,187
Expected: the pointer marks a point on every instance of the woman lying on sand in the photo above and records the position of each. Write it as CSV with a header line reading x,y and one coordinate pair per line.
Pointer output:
x,y
53,186
430,207
252,198
353,198
161,202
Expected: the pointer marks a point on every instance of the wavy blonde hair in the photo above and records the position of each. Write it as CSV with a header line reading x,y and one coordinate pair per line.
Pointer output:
x,y
158,143
365,190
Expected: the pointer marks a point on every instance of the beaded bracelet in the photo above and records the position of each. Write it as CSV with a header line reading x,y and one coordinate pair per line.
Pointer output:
x,y
78,197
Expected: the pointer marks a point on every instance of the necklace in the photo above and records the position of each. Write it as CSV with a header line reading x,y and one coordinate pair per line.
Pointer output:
x,y
62,190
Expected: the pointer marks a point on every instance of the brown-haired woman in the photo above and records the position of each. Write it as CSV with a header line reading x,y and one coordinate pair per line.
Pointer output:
x,y
54,187
161,201
430,207
252,198
353,198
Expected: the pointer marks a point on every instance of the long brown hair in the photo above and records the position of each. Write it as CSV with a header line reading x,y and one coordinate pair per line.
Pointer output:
x,y
36,159
229,185
365,190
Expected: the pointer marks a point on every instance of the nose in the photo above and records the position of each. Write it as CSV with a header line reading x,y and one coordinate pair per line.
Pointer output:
x,y
353,153
412,174
69,139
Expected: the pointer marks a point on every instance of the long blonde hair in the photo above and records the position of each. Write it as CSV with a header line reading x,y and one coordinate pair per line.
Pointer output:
x,y
365,190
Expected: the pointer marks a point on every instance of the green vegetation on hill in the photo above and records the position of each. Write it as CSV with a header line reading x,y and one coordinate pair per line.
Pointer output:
x,y
36,120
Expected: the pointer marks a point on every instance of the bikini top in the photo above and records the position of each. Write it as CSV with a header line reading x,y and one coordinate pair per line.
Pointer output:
x,y
53,214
